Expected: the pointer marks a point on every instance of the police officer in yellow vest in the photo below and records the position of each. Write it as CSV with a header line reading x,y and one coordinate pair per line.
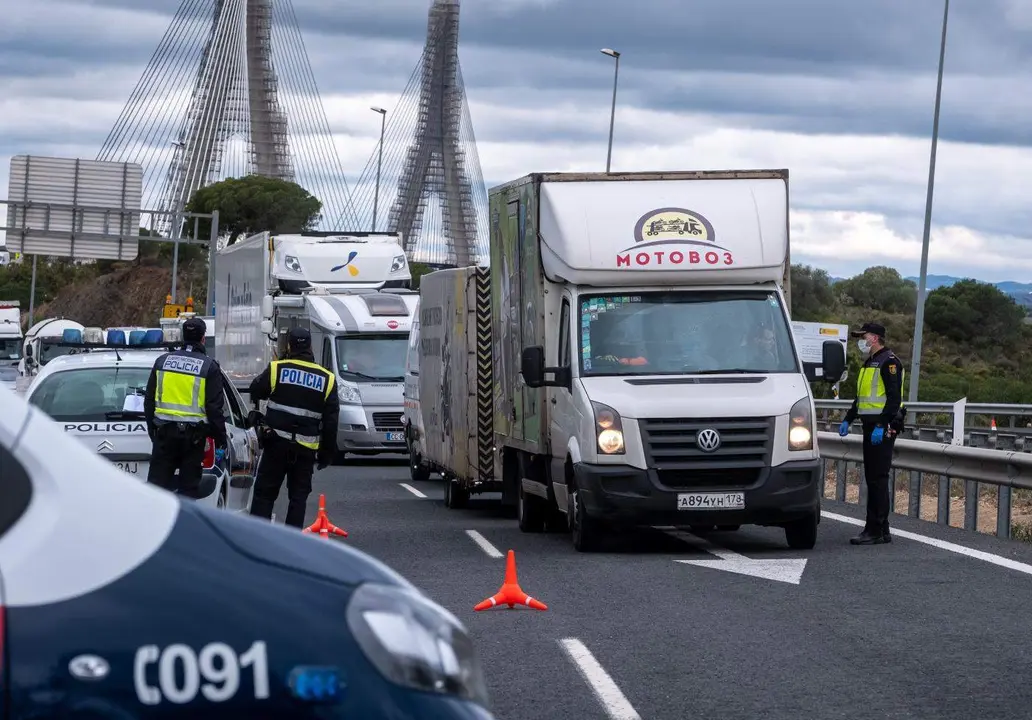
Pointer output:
x,y
300,427
183,405
878,403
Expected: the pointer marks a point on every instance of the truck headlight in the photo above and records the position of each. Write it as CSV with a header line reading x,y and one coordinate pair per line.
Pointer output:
x,y
292,263
398,264
415,643
800,426
608,430
348,393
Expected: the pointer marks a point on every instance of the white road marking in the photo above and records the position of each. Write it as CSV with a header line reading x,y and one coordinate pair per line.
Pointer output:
x,y
786,570
942,545
413,490
484,544
605,689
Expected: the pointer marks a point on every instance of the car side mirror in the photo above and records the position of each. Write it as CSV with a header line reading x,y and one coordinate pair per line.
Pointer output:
x,y
833,360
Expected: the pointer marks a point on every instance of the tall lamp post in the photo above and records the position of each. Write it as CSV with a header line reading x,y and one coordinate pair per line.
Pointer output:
x,y
915,363
379,162
612,113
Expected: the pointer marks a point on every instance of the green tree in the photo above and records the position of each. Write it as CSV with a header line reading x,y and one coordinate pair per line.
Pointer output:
x,y
254,204
879,288
976,313
813,299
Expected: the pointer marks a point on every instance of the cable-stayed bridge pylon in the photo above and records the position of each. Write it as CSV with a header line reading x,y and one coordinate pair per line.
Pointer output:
x,y
228,92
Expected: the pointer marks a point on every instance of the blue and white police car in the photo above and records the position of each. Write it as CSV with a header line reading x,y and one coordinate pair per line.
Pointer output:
x,y
95,392
107,592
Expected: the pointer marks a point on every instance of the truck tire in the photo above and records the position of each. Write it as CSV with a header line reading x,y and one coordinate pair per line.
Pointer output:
x,y
801,534
531,511
586,532
455,496
418,470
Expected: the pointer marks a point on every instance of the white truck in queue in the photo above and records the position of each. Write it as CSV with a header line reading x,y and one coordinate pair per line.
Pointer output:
x,y
352,291
43,343
10,341
626,360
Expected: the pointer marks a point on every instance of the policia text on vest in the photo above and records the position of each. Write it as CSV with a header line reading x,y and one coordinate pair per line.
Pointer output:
x,y
184,404
879,405
301,415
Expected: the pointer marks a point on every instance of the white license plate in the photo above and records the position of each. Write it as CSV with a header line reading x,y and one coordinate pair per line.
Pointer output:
x,y
711,501
395,437
133,467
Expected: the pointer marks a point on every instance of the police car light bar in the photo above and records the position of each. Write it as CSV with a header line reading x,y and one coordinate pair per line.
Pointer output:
x,y
95,338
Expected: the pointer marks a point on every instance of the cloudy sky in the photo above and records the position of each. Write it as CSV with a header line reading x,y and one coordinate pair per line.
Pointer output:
x,y
841,93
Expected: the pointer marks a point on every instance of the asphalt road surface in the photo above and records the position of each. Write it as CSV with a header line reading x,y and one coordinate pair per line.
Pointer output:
x,y
914,629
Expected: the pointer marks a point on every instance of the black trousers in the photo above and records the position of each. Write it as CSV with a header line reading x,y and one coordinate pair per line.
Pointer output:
x,y
281,457
178,446
877,474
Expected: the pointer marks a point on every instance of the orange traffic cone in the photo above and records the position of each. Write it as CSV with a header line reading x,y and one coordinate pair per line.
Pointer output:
x,y
510,593
992,426
322,524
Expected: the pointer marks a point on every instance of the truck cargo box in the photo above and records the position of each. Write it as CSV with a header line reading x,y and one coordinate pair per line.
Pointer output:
x,y
455,375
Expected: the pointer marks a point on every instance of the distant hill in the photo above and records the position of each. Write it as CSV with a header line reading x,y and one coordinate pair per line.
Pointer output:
x,y
1021,292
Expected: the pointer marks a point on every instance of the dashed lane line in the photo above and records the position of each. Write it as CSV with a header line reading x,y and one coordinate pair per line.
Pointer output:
x,y
412,490
942,545
616,705
484,544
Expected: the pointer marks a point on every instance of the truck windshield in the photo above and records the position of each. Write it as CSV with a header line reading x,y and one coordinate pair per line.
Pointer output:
x,y
48,352
90,394
10,348
372,357
686,332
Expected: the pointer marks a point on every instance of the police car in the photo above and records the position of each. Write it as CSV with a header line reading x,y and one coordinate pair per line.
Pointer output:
x,y
95,392
107,612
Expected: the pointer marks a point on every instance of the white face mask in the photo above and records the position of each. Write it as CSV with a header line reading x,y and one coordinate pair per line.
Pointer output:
x,y
863,346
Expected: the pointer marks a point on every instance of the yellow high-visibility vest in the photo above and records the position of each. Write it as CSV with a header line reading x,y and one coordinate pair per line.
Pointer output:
x,y
181,387
870,389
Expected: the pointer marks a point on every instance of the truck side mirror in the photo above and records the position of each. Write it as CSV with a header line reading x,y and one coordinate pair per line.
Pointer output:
x,y
532,366
833,360
267,327
28,352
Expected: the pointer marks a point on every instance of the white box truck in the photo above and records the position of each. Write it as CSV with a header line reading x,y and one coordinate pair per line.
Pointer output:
x,y
644,368
10,341
352,292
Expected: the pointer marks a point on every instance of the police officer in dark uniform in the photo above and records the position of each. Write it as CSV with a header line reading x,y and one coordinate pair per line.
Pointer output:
x,y
184,404
300,427
878,403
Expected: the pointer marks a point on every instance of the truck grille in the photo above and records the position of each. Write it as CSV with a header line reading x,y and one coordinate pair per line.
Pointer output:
x,y
671,449
387,422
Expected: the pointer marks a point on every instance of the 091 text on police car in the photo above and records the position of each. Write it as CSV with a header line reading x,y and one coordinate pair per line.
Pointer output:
x,y
180,671
711,501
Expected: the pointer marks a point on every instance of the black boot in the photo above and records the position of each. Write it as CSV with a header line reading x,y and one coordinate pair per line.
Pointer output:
x,y
871,537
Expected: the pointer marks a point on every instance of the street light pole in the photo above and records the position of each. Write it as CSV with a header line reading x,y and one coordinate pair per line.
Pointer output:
x,y
379,163
915,363
177,223
612,113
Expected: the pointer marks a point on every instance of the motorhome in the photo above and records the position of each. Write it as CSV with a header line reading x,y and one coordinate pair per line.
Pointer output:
x,y
634,331
352,291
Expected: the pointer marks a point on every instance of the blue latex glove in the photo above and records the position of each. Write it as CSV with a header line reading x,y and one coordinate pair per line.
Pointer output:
x,y
877,435
220,454
843,429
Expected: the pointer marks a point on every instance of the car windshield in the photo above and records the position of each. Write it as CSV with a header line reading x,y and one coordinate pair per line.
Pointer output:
x,y
372,357
678,333
10,348
91,394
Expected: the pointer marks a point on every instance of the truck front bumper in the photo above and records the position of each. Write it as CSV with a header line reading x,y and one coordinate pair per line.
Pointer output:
x,y
370,429
626,495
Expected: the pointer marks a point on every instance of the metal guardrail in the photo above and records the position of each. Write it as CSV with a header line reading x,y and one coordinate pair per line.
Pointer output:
x,y
952,470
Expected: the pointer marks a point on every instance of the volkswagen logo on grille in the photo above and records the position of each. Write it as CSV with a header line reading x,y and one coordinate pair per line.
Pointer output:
x,y
105,446
708,440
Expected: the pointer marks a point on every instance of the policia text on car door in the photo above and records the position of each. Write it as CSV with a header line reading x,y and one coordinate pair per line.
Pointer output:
x,y
301,427
184,405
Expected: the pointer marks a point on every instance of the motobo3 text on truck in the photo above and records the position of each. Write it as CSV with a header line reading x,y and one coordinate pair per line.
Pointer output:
x,y
628,358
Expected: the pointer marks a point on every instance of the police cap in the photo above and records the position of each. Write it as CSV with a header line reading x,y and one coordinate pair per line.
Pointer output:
x,y
873,328
194,330
299,339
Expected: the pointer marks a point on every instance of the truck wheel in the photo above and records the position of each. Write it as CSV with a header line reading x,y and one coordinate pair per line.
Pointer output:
x,y
585,531
802,534
455,496
418,470
531,511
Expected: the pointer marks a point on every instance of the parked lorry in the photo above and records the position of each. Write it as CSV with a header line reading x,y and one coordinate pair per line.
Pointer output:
x,y
10,341
643,367
352,292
